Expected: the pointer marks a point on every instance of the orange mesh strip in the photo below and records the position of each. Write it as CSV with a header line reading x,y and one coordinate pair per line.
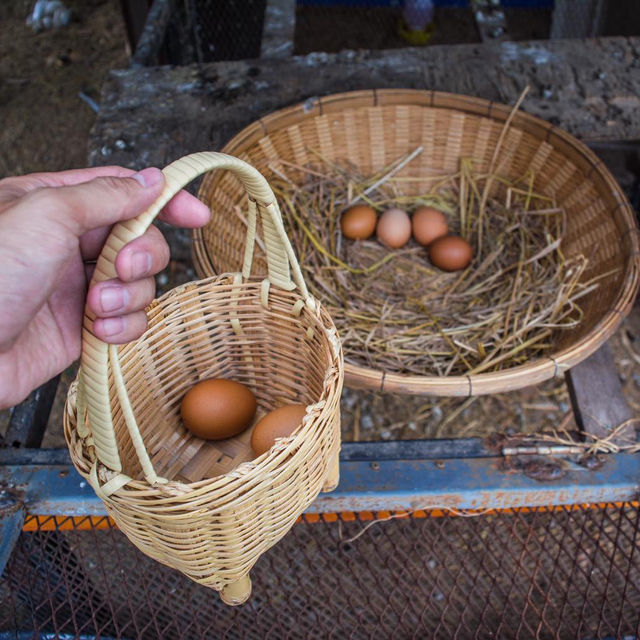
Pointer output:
x,y
84,523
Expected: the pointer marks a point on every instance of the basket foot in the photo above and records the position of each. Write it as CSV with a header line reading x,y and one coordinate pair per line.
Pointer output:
x,y
237,592
333,476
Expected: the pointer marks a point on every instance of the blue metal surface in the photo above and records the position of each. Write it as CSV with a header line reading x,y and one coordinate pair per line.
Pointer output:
x,y
51,489
375,450
11,520
480,483
34,457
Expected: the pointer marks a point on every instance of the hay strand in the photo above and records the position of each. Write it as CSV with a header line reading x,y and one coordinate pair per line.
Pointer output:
x,y
398,313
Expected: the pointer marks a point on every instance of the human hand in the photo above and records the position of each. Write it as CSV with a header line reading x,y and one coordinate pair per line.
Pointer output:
x,y
51,226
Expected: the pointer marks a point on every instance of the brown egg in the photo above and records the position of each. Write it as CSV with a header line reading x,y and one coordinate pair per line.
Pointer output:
x,y
358,222
216,409
394,228
450,253
428,224
279,423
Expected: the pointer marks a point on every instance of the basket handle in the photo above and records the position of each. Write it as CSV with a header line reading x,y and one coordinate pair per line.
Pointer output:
x,y
283,271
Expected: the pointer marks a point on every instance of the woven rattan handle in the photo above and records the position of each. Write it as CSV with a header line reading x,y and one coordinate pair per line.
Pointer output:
x,y
283,271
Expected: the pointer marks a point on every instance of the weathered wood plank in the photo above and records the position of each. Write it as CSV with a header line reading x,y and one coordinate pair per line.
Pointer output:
x,y
596,395
577,19
150,116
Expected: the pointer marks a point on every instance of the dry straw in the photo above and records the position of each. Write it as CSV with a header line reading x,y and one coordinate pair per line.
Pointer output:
x,y
210,509
556,243
396,312
621,438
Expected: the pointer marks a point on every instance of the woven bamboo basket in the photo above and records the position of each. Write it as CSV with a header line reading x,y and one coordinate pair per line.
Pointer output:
x,y
209,509
371,129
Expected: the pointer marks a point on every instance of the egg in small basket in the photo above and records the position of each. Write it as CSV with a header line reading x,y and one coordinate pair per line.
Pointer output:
x,y
210,508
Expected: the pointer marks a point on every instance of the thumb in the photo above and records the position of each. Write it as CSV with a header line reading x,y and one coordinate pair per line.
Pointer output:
x,y
102,201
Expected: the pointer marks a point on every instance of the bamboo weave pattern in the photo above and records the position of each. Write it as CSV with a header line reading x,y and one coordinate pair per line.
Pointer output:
x,y
208,508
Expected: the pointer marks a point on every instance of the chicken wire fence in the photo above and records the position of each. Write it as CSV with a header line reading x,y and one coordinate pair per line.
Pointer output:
x,y
209,30
199,31
529,573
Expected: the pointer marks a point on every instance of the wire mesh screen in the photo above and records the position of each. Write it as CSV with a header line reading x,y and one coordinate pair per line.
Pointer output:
x,y
208,30
569,572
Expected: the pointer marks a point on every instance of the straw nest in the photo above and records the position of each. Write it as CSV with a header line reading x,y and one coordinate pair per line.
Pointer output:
x,y
395,311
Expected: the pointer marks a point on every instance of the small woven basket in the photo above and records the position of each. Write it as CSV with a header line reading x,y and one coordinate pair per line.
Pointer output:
x,y
371,129
209,509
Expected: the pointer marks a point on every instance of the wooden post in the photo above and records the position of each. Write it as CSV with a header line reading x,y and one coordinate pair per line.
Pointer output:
x,y
490,20
278,29
596,395
582,19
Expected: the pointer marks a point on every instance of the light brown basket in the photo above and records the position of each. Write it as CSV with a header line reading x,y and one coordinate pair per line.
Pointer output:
x,y
371,129
208,508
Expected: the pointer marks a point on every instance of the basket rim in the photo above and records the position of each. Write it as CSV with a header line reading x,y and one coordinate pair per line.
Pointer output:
x,y
247,474
513,378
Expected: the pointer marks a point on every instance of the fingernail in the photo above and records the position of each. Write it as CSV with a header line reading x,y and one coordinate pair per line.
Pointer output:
x,y
112,326
113,298
140,264
148,177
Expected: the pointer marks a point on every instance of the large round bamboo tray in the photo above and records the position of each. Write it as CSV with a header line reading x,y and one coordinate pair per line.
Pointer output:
x,y
370,129
210,509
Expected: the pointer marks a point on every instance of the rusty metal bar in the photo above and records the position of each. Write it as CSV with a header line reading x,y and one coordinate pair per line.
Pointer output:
x,y
480,483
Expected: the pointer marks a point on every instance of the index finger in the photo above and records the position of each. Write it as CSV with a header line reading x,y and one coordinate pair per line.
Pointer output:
x,y
185,210
20,185
71,177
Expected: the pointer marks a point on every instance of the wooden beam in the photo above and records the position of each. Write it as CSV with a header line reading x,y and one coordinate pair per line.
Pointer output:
x,y
596,395
590,88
